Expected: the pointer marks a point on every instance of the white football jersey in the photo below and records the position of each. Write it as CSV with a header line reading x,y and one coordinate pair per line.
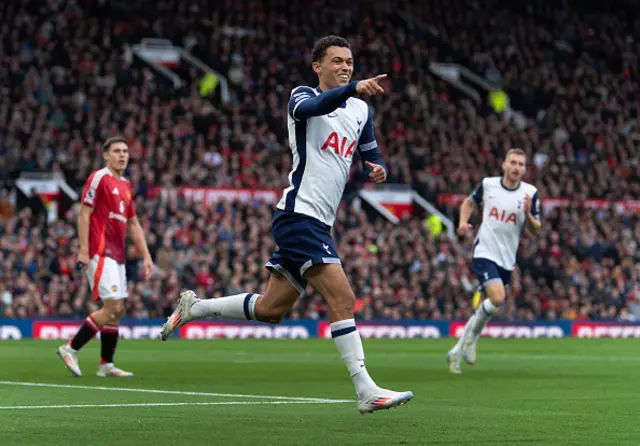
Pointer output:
x,y
323,148
503,219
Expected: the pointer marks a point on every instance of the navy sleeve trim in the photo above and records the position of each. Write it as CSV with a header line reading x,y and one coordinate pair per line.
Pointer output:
x,y
535,206
477,194
367,139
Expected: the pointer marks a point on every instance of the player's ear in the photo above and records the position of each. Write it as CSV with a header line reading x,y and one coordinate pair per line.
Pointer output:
x,y
316,67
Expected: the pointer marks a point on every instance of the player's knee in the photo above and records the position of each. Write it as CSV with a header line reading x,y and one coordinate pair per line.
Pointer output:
x,y
497,299
115,310
342,306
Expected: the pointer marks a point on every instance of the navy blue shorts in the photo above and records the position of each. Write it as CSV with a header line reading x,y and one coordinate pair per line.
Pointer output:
x,y
302,241
488,272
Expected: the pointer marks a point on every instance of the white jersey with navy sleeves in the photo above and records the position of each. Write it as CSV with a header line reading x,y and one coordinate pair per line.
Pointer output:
x,y
503,219
323,141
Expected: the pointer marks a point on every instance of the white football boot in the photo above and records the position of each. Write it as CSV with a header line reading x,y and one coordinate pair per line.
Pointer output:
x,y
70,358
453,358
382,399
111,370
469,351
181,315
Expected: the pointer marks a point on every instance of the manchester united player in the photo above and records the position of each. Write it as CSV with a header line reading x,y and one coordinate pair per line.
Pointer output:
x,y
106,213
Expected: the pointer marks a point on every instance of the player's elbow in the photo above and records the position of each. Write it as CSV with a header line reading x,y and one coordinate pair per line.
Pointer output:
x,y
468,205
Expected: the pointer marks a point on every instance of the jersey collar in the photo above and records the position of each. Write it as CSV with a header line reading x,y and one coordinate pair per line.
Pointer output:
x,y
509,189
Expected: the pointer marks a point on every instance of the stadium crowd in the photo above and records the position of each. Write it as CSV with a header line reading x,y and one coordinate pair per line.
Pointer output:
x,y
583,265
73,84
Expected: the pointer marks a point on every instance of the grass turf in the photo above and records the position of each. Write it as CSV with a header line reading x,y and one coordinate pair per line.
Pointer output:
x,y
559,391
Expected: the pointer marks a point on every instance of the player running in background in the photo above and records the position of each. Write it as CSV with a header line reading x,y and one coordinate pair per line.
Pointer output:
x,y
509,204
327,125
107,211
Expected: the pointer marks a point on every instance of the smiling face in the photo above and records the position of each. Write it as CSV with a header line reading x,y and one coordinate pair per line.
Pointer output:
x,y
335,68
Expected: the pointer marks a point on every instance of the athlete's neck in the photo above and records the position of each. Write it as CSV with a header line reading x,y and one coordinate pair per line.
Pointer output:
x,y
506,182
116,173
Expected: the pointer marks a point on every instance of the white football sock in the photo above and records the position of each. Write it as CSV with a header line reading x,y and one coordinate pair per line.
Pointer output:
x,y
484,312
349,344
465,334
237,307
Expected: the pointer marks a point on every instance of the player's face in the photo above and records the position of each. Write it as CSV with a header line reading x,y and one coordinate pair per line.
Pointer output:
x,y
117,157
336,69
515,167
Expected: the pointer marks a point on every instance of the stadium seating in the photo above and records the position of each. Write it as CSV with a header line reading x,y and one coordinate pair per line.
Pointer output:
x,y
74,84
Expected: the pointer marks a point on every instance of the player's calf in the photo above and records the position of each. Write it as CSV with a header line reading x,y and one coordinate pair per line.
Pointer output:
x,y
271,314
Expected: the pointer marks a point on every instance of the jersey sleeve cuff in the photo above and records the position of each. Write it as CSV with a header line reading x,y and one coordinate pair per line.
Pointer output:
x,y
368,146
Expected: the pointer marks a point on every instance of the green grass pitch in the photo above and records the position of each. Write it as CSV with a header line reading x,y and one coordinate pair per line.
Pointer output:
x,y
282,392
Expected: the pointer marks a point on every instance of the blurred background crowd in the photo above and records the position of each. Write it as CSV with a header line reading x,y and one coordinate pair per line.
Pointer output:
x,y
69,79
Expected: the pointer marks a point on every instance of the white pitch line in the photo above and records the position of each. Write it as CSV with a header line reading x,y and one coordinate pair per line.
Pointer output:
x,y
170,392
209,403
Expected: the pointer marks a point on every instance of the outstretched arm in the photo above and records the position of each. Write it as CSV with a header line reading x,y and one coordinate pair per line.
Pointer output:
x,y
304,103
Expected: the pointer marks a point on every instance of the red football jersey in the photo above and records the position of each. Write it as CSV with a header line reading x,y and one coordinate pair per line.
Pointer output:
x,y
112,203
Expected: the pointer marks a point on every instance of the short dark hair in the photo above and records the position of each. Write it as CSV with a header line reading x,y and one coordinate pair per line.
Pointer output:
x,y
114,139
320,47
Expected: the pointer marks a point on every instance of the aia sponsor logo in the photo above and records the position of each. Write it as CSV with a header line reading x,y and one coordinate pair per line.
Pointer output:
x,y
503,216
340,146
